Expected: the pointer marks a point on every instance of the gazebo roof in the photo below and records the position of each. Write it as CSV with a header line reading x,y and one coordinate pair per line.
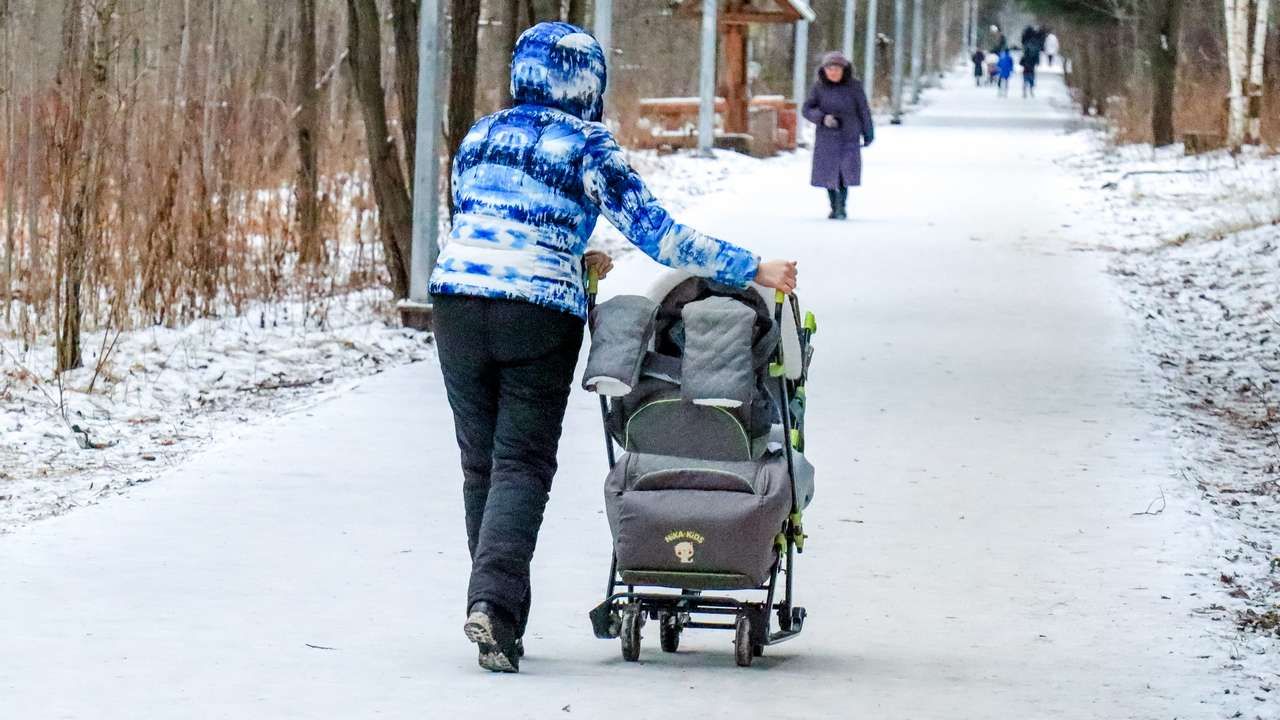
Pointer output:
x,y
757,11
804,9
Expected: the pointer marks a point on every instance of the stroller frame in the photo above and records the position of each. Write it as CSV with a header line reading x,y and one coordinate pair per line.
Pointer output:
x,y
625,609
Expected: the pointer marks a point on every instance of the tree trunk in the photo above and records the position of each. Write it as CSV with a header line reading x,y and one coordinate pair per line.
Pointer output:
x,y
395,214
575,12
405,22
184,59
311,247
10,157
1256,63
1165,26
513,18
1237,24
32,189
464,32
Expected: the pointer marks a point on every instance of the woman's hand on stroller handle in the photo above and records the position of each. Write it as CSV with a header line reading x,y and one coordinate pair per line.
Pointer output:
x,y
599,262
777,274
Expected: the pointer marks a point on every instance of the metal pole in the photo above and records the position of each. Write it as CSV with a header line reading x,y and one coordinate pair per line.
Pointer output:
x,y
800,67
416,310
899,39
603,26
869,50
917,49
941,57
850,18
707,79
973,26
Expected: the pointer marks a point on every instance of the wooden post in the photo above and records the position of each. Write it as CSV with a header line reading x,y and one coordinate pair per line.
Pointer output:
x,y
735,78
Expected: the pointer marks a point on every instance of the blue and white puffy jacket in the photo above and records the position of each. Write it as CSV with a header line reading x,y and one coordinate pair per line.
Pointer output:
x,y
530,182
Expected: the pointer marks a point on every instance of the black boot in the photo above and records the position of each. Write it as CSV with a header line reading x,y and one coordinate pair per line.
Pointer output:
x,y
833,197
841,199
494,633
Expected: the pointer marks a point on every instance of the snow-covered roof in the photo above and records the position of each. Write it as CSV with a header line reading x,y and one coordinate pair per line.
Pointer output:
x,y
804,9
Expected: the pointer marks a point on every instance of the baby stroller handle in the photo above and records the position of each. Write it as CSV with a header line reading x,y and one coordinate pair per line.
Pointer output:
x,y
784,395
593,289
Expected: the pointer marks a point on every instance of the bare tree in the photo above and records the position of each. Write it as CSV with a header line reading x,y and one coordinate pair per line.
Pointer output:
x,y
395,214
405,27
1163,22
464,33
311,247
1237,23
11,156
1262,11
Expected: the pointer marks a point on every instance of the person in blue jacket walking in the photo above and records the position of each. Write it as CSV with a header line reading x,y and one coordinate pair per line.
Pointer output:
x,y
529,184
1005,66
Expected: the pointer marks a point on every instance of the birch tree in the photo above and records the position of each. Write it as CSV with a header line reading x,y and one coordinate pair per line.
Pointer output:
x,y
1236,14
1262,10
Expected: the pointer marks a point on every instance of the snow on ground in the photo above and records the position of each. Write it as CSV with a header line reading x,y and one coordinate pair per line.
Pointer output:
x,y
1198,256
162,393
148,398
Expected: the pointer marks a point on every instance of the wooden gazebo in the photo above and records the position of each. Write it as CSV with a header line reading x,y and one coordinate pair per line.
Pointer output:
x,y
734,18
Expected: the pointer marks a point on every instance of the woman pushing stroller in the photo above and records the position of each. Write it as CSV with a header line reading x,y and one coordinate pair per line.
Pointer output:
x,y
529,183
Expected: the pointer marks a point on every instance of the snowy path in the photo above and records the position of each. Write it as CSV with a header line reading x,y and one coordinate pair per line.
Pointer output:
x,y
976,420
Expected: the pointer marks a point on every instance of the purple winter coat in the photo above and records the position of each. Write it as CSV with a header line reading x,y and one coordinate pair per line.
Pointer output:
x,y
837,152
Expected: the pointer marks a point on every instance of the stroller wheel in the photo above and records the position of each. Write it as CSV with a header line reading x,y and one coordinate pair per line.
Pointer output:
x,y
631,621
669,631
743,648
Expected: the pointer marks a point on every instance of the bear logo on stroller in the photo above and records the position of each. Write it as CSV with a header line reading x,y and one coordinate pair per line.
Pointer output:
x,y
684,551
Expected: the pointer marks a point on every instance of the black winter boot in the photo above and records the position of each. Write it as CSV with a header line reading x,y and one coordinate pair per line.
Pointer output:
x,y
494,633
841,198
833,197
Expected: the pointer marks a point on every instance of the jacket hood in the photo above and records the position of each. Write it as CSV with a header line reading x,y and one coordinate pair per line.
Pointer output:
x,y
561,66
835,57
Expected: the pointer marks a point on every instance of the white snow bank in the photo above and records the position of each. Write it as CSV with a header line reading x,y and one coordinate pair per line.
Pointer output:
x,y
1199,261
147,398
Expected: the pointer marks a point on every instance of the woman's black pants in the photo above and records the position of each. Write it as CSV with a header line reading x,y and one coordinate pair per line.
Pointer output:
x,y
507,366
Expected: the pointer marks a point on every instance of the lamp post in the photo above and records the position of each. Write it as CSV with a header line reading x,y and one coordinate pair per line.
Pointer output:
x,y
899,38
869,50
707,80
917,50
415,310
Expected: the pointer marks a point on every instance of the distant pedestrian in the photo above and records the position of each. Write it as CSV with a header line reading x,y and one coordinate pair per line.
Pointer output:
x,y
979,59
1032,39
1029,62
993,69
838,105
1050,48
1005,68
1002,42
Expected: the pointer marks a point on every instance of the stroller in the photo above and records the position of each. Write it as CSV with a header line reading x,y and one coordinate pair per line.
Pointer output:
x,y
703,388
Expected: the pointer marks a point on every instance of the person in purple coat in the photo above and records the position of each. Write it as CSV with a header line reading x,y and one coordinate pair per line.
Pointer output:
x,y
838,105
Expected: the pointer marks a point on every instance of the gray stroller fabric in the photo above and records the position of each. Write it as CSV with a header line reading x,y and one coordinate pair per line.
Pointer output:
x,y
621,330
700,496
717,368
682,516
